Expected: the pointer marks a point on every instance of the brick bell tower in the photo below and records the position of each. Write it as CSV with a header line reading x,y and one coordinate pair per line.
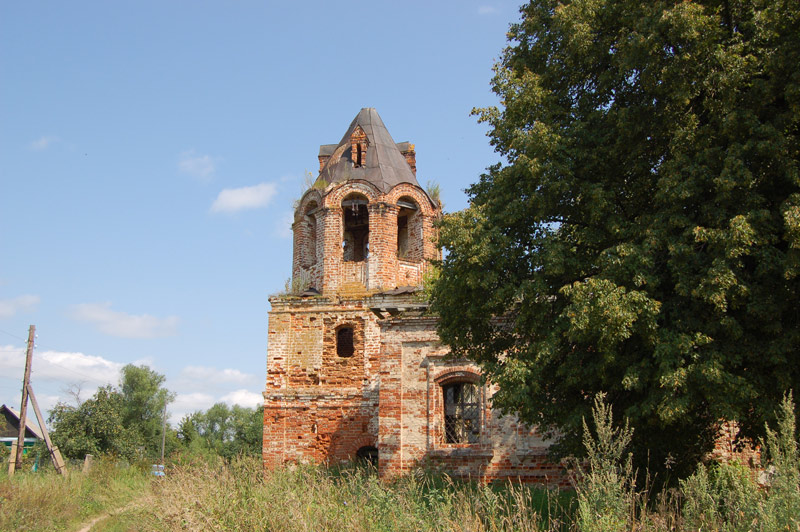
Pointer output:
x,y
363,236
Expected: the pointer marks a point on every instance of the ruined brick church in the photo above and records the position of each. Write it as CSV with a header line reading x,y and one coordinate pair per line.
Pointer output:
x,y
354,365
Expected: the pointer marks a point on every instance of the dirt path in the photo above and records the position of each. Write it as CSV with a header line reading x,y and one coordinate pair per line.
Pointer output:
x,y
87,527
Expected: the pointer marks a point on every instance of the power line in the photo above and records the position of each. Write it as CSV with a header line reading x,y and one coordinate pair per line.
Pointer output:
x,y
13,335
55,349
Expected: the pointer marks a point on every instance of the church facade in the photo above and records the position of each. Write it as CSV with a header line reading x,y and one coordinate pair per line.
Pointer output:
x,y
355,368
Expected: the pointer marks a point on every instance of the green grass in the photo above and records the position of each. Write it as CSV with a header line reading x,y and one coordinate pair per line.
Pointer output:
x,y
198,494
46,501
239,496
202,492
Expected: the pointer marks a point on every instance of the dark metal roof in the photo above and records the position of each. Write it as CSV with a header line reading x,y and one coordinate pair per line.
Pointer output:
x,y
328,149
310,292
385,167
400,290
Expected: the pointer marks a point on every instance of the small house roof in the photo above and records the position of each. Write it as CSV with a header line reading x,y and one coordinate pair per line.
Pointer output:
x,y
11,428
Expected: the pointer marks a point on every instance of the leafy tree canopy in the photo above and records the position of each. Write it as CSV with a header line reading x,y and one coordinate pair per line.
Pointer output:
x,y
227,431
143,402
125,421
94,427
642,238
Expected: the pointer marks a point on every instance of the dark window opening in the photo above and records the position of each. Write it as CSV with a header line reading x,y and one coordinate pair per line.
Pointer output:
x,y
355,240
402,237
358,156
344,342
368,454
309,252
462,412
406,249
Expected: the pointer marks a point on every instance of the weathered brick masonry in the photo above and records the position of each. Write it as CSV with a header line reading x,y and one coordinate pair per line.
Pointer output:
x,y
354,365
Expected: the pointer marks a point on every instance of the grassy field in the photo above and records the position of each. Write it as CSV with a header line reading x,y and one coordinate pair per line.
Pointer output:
x,y
198,495
45,501
307,498
205,492
238,496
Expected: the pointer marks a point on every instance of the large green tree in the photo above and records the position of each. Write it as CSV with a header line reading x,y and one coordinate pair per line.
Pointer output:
x,y
94,427
642,237
124,421
144,400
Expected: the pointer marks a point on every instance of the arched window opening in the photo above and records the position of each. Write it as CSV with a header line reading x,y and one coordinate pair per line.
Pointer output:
x,y
407,247
309,235
358,162
355,238
462,412
368,454
344,342
358,147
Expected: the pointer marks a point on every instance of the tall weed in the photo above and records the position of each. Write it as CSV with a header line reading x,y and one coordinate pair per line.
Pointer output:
x,y
721,497
781,508
240,496
606,492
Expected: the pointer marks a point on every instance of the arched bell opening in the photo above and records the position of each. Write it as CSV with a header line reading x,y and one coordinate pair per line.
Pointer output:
x,y
409,230
355,236
309,236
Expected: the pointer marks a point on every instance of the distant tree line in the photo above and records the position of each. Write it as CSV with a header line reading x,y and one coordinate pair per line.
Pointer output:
x,y
223,430
127,421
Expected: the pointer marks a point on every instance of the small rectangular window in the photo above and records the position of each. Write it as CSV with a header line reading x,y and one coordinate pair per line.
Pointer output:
x,y
344,342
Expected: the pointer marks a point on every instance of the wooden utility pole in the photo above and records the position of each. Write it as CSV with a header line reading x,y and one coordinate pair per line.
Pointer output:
x,y
27,391
164,430
55,454
11,458
26,379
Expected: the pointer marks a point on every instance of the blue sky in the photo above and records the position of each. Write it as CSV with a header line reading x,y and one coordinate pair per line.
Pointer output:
x,y
150,153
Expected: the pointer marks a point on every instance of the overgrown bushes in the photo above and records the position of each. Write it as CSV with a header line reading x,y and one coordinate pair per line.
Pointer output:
x,y
721,497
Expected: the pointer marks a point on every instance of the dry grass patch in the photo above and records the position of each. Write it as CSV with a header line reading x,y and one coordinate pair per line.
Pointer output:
x,y
46,501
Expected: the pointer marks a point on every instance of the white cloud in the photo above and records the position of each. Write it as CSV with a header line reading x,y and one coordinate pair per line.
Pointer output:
x,y
46,403
121,324
238,199
200,166
211,375
187,403
243,398
11,358
487,10
42,143
61,366
9,307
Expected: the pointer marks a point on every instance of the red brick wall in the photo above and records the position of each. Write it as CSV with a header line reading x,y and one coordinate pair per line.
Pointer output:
x,y
730,447
411,157
325,269
316,427
414,367
319,406
322,407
